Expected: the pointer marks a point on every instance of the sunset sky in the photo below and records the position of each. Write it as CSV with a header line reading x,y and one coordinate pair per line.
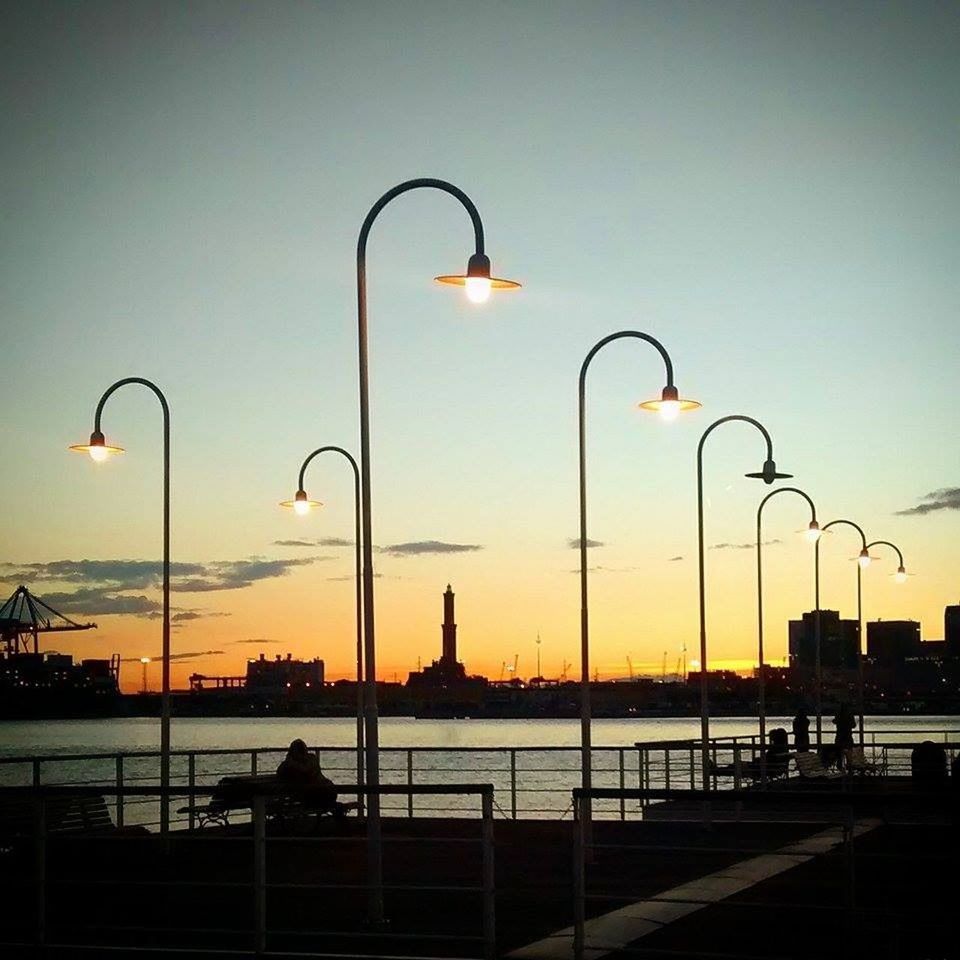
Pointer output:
x,y
771,189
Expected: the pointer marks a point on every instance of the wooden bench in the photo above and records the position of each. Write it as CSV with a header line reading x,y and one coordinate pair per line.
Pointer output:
x,y
63,814
282,801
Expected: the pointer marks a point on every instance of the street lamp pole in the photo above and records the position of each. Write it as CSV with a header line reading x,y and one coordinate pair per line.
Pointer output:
x,y
813,533
863,561
669,405
99,450
144,661
302,505
478,283
768,474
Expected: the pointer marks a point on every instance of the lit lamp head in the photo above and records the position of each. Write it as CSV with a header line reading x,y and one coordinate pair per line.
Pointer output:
x,y
477,280
670,405
813,532
144,660
864,559
901,575
769,473
98,449
301,504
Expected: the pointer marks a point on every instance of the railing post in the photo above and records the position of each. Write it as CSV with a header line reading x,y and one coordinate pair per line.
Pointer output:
x,y
36,773
118,760
666,768
259,875
410,782
191,785
642,776
489,889
693,770
40,868
623,783
513,783
737,758
253,763
579,878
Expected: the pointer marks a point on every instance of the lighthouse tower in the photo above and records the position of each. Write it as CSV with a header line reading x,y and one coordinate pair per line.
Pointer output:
x,y
449,628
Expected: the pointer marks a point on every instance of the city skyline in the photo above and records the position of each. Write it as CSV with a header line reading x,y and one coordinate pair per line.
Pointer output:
x,y
781,214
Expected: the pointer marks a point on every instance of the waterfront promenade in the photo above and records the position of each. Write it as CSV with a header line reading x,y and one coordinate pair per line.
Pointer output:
x,y
495,864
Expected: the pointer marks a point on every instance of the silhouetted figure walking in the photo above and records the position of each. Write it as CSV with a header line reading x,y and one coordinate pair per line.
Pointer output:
x,y
801,731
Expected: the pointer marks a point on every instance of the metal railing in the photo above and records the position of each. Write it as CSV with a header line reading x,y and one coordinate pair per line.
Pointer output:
x,y
220,875
846,890
529,782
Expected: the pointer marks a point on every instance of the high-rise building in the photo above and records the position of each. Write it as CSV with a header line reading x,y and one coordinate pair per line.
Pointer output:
x,y
839,641
890,642
951,630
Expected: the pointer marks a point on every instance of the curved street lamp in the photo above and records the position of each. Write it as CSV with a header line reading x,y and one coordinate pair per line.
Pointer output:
x,y
768,474
668,406
99,450
478,284
901,575
301,504
812,533
863,561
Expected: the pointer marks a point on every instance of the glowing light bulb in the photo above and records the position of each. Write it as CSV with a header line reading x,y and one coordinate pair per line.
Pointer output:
x,y
669,410
864,559
301,507
98,453
901,575
812,533
478,289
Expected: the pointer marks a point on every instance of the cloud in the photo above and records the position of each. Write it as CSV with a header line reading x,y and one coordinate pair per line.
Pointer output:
x,y
742,546
946,499
322,542
574,543
600,569
257,640
351,576
674,559
177,656
423,547
93,603
117,576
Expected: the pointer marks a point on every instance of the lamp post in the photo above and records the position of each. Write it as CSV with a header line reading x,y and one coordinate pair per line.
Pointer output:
x,y
863,561
301,504
99,450
812,533
478,283
144,661
768,474
668,406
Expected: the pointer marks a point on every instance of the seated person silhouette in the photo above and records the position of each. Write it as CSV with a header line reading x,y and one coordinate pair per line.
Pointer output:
x,y
776,756
300,769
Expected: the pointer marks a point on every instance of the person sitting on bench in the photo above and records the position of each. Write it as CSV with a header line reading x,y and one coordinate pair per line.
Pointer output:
x,y
776,755
300,769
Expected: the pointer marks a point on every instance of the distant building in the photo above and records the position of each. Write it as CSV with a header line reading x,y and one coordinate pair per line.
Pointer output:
x,y
839,641
283,674
951,630
447,671
891,642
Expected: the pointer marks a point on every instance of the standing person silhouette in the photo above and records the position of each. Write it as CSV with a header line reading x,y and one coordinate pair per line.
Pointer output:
x,y
846,723
801,731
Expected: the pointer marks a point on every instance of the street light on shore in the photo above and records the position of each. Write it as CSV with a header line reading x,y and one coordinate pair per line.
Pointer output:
x,y
669,405
811,535
768,473
863,561
99,450
301,504
478,284
144,661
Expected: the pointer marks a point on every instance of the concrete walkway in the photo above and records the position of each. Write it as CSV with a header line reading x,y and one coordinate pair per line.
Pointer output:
x,y
613,931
